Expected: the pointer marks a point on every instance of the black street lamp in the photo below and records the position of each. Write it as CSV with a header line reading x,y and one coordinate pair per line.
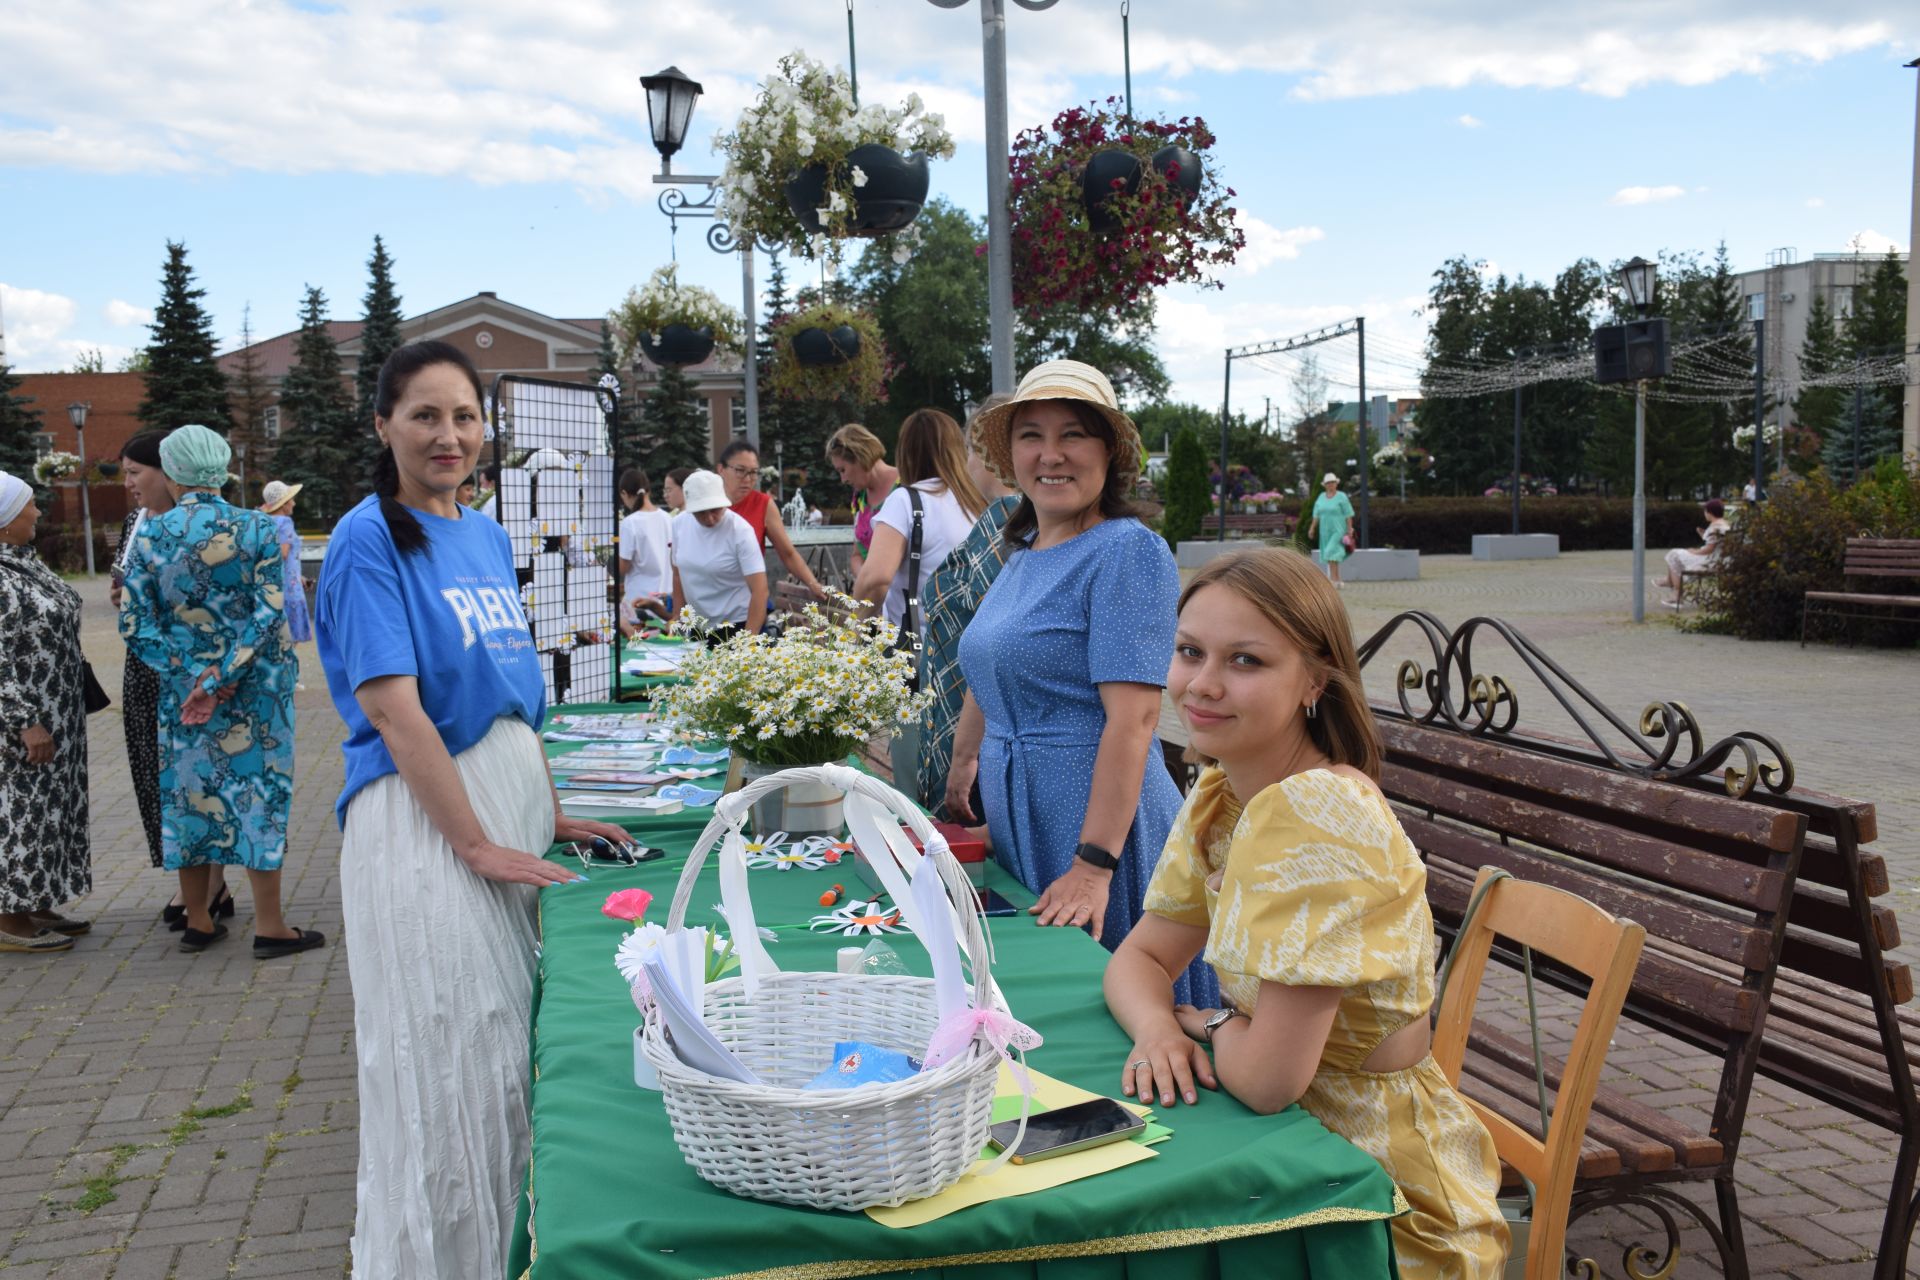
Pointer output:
x,y
77,414
670,98
1638,276
671,95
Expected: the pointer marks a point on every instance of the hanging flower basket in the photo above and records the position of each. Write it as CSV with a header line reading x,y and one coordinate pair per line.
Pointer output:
x,y
888,190
1105,210
673,323
829,352
806,168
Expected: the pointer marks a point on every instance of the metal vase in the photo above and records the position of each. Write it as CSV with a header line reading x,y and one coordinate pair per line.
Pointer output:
x,y
799,809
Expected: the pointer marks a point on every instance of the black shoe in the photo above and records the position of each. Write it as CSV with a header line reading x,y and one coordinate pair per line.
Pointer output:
x,y
222,907
272,948
174,916
193,941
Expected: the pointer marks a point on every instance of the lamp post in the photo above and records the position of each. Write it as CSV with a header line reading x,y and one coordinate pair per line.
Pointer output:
x,y
671,95
993,58
1638,277
77,414
1757,312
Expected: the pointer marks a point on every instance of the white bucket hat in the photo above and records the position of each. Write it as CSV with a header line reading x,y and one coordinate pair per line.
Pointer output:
x,y
704,492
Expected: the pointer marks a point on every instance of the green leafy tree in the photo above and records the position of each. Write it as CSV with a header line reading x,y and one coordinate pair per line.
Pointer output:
x,y
1189,498
90,360
1121,349
379,335
1878,327
184,381
318,446
1459,430
136,362
675,419
19,423
1823,410
801,430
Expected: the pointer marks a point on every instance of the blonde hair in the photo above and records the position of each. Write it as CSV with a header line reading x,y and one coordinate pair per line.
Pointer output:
x,y
857,445
932,448
1292,594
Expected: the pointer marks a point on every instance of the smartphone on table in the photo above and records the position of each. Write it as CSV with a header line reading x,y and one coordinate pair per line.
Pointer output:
x,y
1067,1129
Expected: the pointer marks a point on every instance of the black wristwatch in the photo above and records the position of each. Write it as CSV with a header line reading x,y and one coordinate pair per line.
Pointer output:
x,y
1094,856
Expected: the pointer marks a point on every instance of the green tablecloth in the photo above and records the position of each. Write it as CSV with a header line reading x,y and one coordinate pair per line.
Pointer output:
x,y
1231,1194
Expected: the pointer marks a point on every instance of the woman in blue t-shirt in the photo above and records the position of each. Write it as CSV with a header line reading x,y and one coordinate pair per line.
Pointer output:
x,y
447,807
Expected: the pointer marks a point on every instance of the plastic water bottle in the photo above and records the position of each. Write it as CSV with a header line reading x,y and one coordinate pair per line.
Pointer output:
x,y
881,959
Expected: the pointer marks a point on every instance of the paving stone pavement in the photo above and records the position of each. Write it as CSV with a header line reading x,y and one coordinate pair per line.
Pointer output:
x,y
164,1115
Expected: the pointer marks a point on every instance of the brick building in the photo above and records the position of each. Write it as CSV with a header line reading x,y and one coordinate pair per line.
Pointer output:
x,y
113,403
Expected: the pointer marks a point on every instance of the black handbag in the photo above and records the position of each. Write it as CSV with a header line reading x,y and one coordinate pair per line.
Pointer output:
x,y
92,696
909,637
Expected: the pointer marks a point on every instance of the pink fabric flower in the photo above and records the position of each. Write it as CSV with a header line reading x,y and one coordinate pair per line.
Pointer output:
x,y
627,904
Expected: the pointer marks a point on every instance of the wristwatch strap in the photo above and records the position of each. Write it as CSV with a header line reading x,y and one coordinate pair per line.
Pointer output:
x,y
1220,1019
1094,855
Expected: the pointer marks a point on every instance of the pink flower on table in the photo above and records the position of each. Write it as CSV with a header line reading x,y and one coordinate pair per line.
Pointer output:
x,y
627,904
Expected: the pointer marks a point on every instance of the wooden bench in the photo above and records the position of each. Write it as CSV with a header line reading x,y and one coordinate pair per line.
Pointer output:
x,y
1868,558
1264,524
1709,877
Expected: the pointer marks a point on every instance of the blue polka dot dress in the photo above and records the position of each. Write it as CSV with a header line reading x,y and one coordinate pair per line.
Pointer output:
x,y
1057,624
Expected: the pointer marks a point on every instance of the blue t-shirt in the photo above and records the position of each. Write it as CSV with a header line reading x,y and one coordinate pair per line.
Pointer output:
x,y
448,615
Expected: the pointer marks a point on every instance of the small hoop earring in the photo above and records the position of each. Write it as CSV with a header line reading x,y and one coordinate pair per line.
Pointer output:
x,y
1313,708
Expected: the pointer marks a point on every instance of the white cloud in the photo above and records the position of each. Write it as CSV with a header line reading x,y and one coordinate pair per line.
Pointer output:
x,y
1646,195
36,324
1268,244
1873,242
120,314
503,91
1469,122
1815,202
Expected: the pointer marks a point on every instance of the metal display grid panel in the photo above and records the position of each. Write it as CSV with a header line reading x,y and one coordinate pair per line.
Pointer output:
x,y
555,444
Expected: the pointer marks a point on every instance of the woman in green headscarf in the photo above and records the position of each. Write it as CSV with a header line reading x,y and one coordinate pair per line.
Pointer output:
x,y
202,606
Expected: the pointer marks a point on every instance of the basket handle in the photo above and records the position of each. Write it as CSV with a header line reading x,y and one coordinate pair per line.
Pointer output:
x,y
725,829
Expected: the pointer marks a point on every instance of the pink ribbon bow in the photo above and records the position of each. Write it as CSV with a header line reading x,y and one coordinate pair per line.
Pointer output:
x,y
997,1030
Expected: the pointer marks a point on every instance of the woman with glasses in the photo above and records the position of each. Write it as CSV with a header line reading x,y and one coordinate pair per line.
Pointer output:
x,y
739,467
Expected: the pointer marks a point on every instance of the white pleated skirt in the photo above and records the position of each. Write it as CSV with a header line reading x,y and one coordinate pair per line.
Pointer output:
x,y
442,964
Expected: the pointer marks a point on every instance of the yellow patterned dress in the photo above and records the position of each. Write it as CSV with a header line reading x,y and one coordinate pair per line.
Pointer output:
x,y
1320,887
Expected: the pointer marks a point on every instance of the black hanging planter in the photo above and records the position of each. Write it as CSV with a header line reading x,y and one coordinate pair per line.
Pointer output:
x,y
1096,185
822,347
895,190
1183,170
678,344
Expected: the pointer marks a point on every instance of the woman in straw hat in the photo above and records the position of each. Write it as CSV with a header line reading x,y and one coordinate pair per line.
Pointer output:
x,y
202,606
277,501
1065,661
1332,517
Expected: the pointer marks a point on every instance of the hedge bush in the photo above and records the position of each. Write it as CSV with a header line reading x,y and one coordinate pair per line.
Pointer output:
x,y
1796,542
1445,526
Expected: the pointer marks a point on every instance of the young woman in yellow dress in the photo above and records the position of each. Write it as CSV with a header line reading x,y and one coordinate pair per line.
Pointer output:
x,y
1290,872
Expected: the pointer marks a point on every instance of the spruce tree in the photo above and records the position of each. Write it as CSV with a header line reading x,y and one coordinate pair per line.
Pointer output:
x,y
676,419
184,381
317,446
1878,327
19,423
379,335
1823,409
1189,496
249,398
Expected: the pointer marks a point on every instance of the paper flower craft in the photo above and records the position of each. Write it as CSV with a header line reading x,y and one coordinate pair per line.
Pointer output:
x,y
829,850
860,919
627,904
801,856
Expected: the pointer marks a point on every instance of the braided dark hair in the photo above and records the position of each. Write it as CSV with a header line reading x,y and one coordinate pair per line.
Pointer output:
x,y
409,537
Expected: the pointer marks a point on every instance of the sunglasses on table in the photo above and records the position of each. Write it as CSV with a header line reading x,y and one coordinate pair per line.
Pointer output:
x,y
604,853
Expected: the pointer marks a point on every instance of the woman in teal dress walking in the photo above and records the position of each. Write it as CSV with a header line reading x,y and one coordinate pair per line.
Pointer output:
x,y
1332,517
203,606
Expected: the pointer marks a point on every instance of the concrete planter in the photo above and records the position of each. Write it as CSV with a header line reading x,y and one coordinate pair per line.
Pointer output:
x,y
1379,564
1516,546
1191,555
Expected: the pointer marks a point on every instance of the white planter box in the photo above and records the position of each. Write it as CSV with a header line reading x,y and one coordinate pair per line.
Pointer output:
x,y
1379,564
1516,546
1192,555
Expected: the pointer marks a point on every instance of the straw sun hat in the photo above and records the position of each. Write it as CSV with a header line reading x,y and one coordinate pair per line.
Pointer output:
x,y
278,494
1057,380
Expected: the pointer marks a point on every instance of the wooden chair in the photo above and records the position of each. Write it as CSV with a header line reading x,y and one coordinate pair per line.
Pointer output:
x,y
1580,936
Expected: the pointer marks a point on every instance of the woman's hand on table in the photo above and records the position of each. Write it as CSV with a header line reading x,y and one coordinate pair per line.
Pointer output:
x,y
1164,1064
39,744
1077,899
490,861
566,827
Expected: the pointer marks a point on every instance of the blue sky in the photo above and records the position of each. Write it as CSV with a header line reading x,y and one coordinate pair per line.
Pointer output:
x,y
503,146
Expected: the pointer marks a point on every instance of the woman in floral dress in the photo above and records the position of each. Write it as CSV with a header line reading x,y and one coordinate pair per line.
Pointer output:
x,y
45,858
203,607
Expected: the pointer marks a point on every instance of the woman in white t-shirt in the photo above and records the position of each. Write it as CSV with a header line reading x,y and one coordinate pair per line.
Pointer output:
x,y
718,569
646,566
932,458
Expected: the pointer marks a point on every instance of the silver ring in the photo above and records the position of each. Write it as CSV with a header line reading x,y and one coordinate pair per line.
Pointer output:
x,y
1135,1066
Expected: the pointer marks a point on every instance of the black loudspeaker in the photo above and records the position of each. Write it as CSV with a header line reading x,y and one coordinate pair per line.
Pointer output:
x,y
1632,351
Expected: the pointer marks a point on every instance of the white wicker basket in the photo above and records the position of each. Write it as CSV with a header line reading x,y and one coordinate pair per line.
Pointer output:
x,y
879,1144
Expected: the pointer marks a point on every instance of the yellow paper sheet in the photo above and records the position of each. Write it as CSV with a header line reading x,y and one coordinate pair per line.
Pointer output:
x,y
1021,1179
